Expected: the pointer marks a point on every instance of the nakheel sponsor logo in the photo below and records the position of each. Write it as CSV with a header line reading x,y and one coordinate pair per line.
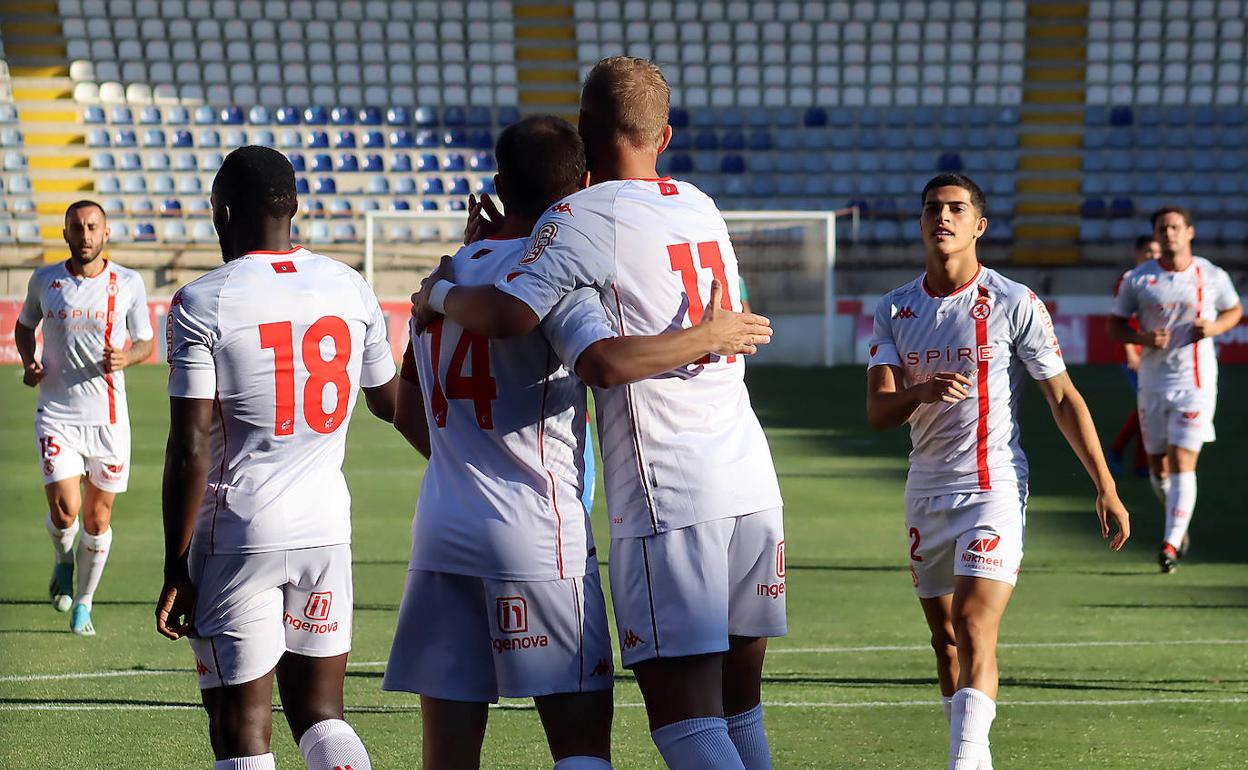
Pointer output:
x,y
310,628
977,551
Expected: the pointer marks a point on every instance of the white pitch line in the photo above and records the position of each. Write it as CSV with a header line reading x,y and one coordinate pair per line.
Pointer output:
x,y
931,704
771,651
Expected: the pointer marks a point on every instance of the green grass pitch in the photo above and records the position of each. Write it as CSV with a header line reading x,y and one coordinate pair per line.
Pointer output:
x,y
1106,663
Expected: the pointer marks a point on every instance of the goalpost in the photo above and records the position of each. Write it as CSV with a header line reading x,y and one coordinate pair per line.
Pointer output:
x,y
786,258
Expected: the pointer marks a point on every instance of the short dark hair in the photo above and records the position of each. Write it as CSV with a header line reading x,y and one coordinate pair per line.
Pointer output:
x,y
542,159
257,182
82,204
953,179
1143,241
1161,212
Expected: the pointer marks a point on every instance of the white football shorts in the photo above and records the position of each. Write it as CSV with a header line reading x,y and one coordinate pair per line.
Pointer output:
x,y
685,591
68,451
979,534
253,608
1182,418
474,639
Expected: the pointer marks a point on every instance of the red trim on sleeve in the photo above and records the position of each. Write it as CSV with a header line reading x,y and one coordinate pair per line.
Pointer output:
x,y
111,291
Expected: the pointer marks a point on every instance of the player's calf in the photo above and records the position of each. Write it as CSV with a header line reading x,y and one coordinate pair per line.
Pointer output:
x,y
578,728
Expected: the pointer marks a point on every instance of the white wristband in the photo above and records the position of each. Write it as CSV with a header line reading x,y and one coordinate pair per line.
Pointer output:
x,y
437,295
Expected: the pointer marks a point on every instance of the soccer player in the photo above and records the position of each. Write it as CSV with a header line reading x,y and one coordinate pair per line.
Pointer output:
x,y
697,548
1182,302
88,307
947,355
1146,248
266,355
501,547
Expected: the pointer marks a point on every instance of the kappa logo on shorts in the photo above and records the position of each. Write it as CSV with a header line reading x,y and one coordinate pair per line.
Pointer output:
x,y
631,640
200,668
780,559
984,544
513,614
604,668
318,605
544,238
914,576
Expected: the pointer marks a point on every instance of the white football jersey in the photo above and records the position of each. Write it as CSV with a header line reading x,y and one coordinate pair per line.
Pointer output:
x,y
501,498
1167,299
282,341
683,447
78,315
984,331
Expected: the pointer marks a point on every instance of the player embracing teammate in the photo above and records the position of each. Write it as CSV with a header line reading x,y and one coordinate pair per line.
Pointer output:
x,y
947,356
692,495
1182,302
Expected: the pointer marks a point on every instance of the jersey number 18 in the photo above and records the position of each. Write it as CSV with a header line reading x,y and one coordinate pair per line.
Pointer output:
x,y
279,336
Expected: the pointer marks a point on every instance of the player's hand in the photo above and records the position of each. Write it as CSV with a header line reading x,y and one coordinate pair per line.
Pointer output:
x,y
1110,508
1157,338
1201,328
32,374
949,387
114,360
733,333
421,311
175,609
484,219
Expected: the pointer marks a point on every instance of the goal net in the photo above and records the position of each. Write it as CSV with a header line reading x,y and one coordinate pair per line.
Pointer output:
x,y
787,260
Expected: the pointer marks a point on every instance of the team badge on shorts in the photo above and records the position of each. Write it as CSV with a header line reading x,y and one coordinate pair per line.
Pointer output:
x,y
513,614
318,605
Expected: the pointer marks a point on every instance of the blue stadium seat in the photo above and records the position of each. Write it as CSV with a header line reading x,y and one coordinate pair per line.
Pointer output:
x,y
400,205
706,139
322,162
433,186
144,231
949,161
297,162
425,117
231,116
182,139
369,116
481,139
680,163
301,185
454,137
482,161
103,161
93,114
454,162
315,115
762,163
424,138
1093,208
124,137
758,117
171,207
190,185
729,116
1121,208
340,207
733,140
143,207
236,137
149,116
485,186
373,163
264,137
287,116
348,163
763,186
313,208
400,161
459,186
374,139
342,116
732,164
1121,115
479,117
344,232
457,205
344,140
507,116
205,115
131,161
290,139
678,117
377,185
787,117
896,139
317,139
454,116
259,115
405,185
325,185
121,115
1204,115
398,116
104,184
428,162
680,141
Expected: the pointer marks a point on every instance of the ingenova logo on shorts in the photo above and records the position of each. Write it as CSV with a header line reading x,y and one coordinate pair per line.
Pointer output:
x,y
521,643
311,628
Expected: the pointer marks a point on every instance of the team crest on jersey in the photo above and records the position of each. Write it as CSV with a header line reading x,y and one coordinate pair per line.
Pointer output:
x,y
981,310
112,289
544,238
561,208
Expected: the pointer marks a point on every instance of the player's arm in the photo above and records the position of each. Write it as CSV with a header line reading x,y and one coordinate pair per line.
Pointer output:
x,y
138,352
409,410
890,405
482,310
24,334
1133,357
1121,331
187,456
615,361
1071,414
1227,319
382,399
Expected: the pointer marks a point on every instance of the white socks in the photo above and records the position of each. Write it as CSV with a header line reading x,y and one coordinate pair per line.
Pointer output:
x,y
258,762
946,705
747,734
331,744
92,555
1161,487
697,744
62,540
582,763
973,712
1180,502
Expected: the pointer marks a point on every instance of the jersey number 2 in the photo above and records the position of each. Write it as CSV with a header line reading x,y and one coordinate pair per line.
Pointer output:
x,y
479,387
709,256
279,336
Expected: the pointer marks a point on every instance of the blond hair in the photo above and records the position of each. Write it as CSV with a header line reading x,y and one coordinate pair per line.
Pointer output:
x,y
630,96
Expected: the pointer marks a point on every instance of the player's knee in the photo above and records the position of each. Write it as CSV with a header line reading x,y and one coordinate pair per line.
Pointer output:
x,y
241,732
975,633
944,643
303,716
63,511
96,518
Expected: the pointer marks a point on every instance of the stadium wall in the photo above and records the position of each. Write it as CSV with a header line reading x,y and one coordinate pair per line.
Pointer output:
x,y
1078,319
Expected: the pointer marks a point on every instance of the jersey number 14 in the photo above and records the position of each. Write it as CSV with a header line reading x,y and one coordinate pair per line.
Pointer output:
x,y
479,387
279,337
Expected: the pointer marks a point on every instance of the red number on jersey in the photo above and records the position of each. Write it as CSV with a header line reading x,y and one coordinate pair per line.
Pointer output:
x,y
279,336
479,387
48,446
709,256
